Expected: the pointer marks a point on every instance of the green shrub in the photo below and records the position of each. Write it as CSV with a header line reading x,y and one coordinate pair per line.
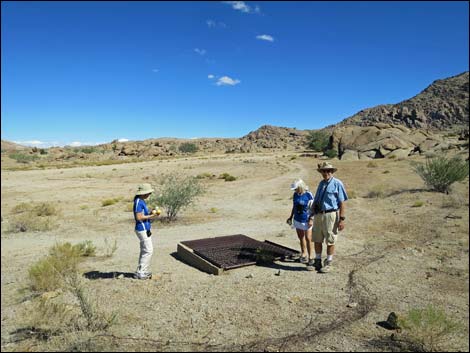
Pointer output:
x,y
23,158
377,191
318,140
331,153
177,192
22,207
86,248
109,202
439,173
48,273
23,223
418,204
45,209
227,177
429,328
188,147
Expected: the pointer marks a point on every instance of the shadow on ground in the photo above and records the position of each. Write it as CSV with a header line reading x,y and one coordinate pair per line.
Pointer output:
x,y
107,275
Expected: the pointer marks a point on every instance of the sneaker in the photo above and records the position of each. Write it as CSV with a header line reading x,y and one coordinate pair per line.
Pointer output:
x,y
144,275
303,259
326,267
317,264
311,265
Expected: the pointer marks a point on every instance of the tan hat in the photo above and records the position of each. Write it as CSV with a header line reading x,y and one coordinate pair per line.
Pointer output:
x,y
326,166
144,189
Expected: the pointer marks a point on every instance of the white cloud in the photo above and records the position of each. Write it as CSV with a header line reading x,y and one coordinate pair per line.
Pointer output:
x,y
210,76
213,24
241,6
227,81
123,140
200,51
266,37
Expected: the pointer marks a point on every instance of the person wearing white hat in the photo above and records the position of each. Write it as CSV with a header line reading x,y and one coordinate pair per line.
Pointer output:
x,y
303,222
329,215
142,218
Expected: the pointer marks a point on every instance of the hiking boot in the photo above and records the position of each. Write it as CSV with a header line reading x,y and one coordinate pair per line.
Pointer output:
x,y
311,265
326,267
303,259
317,264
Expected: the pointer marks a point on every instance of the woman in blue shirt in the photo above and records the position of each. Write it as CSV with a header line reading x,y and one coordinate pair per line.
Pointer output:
x,y
142,218
302,201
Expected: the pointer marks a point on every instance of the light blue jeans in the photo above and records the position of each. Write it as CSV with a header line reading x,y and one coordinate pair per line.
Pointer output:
x,y
146,251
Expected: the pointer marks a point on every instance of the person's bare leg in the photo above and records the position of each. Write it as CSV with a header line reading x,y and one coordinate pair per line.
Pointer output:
x,y
303,243
308,240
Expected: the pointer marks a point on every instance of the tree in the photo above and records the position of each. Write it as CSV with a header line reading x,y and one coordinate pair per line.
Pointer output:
x,y
318,140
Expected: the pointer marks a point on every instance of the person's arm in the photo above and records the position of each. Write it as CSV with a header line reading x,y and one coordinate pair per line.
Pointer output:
x,y
342,215
141,217
289,220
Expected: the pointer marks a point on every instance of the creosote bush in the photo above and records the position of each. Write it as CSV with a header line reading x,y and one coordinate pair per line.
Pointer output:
x,y
428,328
177,192
318,140
48,273
439,173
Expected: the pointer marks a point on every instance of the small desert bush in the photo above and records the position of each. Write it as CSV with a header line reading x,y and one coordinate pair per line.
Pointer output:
x,y
23,158
205,176
40,209
109,202
188,147
29,223
86,248
45,209
440,173
372,164
213,210
48,273
418,204
227,177
377,192
177,192
430,328
110,249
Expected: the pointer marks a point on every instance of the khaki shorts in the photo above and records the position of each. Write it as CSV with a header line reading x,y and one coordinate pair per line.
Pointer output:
x,y
325,228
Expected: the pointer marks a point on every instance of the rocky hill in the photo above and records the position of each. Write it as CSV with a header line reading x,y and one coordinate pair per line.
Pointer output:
x,y
442,105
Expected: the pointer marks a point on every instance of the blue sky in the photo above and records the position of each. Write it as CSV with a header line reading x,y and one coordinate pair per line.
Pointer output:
x,y
90,72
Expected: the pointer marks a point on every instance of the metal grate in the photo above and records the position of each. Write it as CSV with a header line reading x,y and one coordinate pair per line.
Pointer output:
x,y
238,250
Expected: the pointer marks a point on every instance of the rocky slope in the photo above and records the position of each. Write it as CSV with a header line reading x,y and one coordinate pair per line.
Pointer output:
x,y
442,105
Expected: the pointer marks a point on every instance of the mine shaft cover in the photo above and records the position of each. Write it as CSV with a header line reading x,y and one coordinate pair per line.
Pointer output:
x,y
237,250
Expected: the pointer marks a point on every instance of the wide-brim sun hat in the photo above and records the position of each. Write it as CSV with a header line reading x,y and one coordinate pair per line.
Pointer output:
x,y
326,166
144,189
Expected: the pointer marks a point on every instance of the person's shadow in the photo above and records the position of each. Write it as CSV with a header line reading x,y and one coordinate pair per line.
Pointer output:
x,y
108,275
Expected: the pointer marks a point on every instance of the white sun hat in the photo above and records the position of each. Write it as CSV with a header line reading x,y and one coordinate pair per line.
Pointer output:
x,y
297,183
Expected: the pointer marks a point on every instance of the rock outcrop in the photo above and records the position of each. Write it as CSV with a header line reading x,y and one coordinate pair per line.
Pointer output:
x,y
442,105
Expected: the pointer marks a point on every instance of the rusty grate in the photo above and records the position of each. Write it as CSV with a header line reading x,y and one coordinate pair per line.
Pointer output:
x,y
238,250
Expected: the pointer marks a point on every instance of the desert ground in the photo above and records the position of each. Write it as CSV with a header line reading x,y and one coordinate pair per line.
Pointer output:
x,y
404,247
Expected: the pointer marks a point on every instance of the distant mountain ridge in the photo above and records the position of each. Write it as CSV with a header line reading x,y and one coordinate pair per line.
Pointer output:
x,y
441,106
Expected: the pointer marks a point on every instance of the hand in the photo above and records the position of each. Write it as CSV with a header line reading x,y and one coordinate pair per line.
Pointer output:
x,y
289,221
310,221
341,225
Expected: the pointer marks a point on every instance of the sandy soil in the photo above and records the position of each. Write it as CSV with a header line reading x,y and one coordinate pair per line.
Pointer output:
x,y
391,257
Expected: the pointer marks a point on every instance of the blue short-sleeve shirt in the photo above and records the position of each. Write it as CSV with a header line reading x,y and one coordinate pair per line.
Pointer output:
x,y
335,193
301,203
141,207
